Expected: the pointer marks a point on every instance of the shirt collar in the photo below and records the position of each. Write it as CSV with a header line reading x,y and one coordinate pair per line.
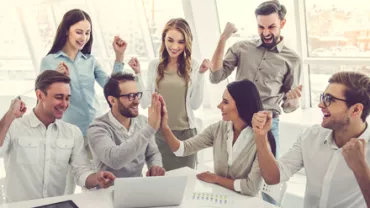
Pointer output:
x,y
278,48
61,53
118,124
365,135
35,122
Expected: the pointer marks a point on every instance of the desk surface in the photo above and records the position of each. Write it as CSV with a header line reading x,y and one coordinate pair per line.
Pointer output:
x,y
104,198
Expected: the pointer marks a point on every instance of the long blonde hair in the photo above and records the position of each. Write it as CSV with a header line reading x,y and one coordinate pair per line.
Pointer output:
x,y
184,59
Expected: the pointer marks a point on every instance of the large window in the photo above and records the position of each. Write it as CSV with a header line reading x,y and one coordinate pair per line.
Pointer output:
x,y
338,28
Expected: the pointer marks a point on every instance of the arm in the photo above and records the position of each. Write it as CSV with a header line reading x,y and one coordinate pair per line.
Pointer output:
x,y
190,146
148,89
197,93
17,109
152,155
115,156
221,69
291,88
248,186
101,76
273,171
363,180
354,153
220,72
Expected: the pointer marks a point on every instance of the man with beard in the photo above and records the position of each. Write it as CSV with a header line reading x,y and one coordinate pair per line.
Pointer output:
x,y
122,140
274,68
335,155
39,147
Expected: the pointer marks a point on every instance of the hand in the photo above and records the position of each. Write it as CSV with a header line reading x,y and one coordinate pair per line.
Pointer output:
x,y
164,114
354,153
206,64
104,179
294,93
156,171
63,68
154,112
17,108
207,177
262,123
119,46
228,31
134,64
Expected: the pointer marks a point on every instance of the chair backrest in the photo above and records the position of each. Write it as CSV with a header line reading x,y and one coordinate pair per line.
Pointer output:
x,y
276,192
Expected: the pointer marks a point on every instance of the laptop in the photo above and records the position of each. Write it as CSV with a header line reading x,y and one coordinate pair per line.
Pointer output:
x,y
149,191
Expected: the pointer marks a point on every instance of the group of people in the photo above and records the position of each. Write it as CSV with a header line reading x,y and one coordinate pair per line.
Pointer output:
x,y
62,137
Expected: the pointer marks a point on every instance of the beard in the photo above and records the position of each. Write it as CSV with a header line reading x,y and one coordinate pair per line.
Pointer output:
x,y
126,112
272,44
336,123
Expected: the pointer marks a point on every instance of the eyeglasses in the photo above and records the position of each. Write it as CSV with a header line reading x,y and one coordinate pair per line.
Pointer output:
x,y
327,99
132,96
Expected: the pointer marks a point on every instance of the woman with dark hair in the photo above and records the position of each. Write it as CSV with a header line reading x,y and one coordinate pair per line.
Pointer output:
x,y
234,149
179,79
71,55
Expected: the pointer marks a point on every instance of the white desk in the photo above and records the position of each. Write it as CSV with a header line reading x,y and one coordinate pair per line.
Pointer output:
x,y
104,198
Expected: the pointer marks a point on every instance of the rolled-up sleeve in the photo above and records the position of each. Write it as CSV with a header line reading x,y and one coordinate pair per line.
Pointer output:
x,y
116,157
230,61
251,185
81,167
292,161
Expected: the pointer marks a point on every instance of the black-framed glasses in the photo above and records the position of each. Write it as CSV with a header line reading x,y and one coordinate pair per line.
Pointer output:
x,y
132,96
327,99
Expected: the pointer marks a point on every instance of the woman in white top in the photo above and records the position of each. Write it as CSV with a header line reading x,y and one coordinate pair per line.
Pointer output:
x,y
234,149
180,80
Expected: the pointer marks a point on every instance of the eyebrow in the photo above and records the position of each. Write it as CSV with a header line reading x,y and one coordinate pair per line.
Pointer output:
x,y
268,26
83,30
172,39
62,95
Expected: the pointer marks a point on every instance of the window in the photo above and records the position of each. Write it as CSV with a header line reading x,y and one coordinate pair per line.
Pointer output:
x,y
338,28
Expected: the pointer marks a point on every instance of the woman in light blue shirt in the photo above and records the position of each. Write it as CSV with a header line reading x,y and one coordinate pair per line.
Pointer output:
x,y
71,55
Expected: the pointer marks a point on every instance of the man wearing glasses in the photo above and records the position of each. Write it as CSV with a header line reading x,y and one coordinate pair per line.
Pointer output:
x,y
335,154
122,140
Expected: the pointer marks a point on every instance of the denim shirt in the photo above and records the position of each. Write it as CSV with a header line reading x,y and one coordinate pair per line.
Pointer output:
x,y
84,70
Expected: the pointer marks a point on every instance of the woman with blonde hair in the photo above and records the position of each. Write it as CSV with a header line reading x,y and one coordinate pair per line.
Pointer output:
x,y
179,79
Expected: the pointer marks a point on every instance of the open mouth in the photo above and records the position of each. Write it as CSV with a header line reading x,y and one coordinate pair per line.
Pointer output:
x,y
268,39
326,115
174,51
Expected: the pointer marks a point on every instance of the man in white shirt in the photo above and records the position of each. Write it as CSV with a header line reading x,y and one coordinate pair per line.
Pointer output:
x,y
38,147
335,155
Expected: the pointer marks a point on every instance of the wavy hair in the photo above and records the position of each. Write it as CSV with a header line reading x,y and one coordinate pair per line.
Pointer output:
x,y
184,59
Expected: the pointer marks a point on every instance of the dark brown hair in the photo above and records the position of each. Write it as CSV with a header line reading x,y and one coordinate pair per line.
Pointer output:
x,y
47,78
70,18
357,89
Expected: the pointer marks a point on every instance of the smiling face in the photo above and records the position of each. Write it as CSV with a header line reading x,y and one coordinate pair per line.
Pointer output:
x,y
228,107
126,107
175,43
337,115
269,28
79,34
55,101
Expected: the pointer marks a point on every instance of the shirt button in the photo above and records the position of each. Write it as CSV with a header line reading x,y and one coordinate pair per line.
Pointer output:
x,y
255,80
264,58
260,69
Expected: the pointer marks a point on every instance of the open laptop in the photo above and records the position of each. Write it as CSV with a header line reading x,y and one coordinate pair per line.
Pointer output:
x,y
149,191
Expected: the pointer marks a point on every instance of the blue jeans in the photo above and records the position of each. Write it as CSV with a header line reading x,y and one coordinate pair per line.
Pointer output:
x,y
275,132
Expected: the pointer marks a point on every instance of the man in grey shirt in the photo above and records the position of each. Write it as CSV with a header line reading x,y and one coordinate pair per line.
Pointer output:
x,y
122,140
274,68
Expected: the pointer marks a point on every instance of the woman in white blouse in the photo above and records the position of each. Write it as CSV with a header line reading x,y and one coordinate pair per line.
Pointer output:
x,y
180,81
234,149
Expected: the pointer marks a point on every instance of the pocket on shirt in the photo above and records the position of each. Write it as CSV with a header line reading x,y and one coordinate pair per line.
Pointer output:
x,y
28,150
64,151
